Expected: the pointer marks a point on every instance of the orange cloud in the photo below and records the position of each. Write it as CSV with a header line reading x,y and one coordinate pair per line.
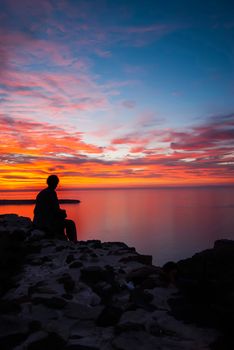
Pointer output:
x,y
31,150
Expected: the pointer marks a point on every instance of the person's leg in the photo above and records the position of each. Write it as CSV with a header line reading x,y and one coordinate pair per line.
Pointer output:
x,y
58,231
70,230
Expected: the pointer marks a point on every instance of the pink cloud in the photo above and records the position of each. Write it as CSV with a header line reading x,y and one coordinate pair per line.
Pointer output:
x,y
129,104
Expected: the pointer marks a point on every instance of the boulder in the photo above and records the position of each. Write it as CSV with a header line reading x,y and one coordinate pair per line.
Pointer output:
x,y
109,316
143,259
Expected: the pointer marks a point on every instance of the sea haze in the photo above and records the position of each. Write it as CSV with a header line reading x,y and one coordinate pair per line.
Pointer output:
x,y
170,224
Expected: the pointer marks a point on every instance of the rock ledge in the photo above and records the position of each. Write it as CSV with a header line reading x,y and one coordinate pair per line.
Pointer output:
x,y
90,296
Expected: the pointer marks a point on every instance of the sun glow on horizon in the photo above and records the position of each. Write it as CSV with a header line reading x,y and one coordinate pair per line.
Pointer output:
x,y
124,96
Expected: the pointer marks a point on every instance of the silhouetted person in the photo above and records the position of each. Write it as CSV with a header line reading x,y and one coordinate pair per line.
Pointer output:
x,y
48,215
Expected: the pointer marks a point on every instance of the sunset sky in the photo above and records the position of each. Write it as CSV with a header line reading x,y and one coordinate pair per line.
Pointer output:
x,y
116,93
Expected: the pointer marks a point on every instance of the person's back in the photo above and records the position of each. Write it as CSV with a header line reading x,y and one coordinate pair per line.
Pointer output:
x,y
47,209
48,215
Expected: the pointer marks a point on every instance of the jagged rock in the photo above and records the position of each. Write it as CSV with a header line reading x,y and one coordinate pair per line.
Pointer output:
x,y
36,235
60,248
78,345
52,302
151,282
207,282
75,264
9,306
58,327
40,313
67,296
139,275
161,296
224,244
42,340
133,320
41,289
84,329
70,258
10,342
122,251
114,245
10,325
80,311
94,243
136,340
142,299
143,259
85,295
68,282
109,316
105,290
94,274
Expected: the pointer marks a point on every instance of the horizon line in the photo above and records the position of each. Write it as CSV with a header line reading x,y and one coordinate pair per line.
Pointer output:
x,y
157,187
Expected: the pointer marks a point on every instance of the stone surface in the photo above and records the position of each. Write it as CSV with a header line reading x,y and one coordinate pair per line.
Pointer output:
x,y
93,295
109,316
81,311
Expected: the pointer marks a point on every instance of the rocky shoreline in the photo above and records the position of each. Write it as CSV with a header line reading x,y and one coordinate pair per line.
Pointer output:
x,y
105,296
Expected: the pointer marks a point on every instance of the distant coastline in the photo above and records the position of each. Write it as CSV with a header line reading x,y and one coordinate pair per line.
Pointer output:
x,y
32,201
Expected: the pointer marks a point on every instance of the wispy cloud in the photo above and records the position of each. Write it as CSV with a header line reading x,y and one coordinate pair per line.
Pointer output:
x,y
44,147
73,100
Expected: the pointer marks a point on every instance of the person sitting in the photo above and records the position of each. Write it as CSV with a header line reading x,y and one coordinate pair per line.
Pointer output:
x,y
49,217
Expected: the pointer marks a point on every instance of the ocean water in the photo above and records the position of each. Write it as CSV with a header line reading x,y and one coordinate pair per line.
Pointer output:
x,y
170,224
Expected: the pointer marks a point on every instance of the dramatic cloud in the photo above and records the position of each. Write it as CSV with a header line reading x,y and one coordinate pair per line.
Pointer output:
x,y
204,152
87,90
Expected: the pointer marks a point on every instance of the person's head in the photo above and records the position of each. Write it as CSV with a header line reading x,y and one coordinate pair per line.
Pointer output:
x,y
52,181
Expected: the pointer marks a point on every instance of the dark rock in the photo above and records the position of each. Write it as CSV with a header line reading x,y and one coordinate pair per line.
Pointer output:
x,y
142,299
53,303
81,347
60,248
137,276
75,310
34,326
169,272
132,321
110,316
9,306
119,245
224,244
150,282
122,251
18,235
37,261
36,288
94,274
70,258
75,264
96,244
68,282
143,259
67,296
9,342
45,259
139,340
52,341
206,282
85,249
12,257
105,291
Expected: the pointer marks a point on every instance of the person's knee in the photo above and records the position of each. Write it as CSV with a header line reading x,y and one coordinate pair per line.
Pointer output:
x,y
71,230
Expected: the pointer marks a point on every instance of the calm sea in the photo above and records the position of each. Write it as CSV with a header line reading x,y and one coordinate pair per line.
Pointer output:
x,y
170,224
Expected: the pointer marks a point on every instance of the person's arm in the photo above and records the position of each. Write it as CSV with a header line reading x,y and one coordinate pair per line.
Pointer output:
x,y
61,213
